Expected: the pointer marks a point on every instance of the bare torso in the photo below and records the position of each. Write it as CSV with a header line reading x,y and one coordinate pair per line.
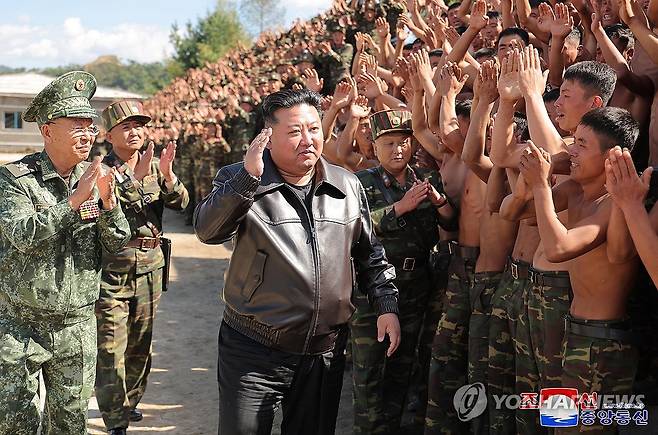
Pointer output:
x,y
471,210
527,240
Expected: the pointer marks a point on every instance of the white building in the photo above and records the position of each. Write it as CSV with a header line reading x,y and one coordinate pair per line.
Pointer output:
x,y
16,92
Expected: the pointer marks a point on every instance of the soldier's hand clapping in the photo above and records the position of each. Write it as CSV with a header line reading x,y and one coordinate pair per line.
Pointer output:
x,y
106,183
411,199
86,184
253,158
143,166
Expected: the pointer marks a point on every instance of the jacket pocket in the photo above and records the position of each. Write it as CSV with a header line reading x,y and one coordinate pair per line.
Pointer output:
x,y
255,277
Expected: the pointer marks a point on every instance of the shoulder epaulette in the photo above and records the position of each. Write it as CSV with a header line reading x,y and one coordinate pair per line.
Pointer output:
x,y
27,165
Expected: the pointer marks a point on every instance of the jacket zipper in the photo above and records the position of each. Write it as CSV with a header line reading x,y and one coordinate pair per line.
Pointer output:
x,y
316,263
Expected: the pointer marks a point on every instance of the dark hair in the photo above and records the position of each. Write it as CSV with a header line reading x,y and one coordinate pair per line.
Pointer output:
x,y
418,41
493,14
454,5
463,108
461,29
535,3
287,98
436,52
521,129
613,126
484,52
622,32
551,95
597,78
514,31
409,46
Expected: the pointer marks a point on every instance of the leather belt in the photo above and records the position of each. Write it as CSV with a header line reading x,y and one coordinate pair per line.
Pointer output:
x,y
465,252
549,278
518,269
599,329
144,243
409,263
444,246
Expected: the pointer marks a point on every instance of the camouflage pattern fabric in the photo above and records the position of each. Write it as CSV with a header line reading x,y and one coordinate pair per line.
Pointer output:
x,y
130,289
433,311
211,157
336,65
525,368
390,121
143,204
381,384
481,294
125,313
66,96
506,303
449,365
50,266
119,111
66,356
239,132
594,364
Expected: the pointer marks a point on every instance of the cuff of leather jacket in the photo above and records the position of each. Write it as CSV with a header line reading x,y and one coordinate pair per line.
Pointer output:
x,y
386,304
244,183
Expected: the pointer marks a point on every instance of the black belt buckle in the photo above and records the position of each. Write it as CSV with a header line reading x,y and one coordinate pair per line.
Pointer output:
x,y
515,270
409,264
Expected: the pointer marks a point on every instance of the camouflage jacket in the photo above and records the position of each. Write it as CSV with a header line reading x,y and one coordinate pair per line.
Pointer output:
x,y
239,131
412,234
143,204
50,259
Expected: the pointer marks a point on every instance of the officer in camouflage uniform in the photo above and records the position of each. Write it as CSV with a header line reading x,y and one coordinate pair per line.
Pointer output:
x,y
132,278
53,227
335,63
406,206
211,151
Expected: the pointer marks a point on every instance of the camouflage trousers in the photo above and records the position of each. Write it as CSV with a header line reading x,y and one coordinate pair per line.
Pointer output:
x,y
539,335
381,384
433,312
449,365
602,365
125,314
66,357
506,304
203,179
481,294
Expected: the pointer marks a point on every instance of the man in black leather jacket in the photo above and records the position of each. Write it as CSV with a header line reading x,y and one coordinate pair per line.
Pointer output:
x,y
303,239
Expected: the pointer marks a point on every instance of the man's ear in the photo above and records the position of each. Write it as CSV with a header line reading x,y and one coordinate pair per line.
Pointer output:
x,y
597,102
46,133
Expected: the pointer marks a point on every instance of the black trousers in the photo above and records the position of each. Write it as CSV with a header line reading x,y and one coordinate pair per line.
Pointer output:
x,y
254,380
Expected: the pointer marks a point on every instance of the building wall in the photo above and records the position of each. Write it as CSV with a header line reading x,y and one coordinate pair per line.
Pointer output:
x,y
28,139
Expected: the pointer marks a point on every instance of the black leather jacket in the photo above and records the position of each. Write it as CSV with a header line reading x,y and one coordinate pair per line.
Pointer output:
x,y
290,280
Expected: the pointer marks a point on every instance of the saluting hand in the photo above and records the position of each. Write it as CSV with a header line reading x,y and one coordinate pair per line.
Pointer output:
x,y
253,158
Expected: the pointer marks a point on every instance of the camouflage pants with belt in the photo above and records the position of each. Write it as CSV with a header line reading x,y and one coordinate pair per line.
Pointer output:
x,y
538,344
449,365
66,357
506,304
481,294
125,314
381,384
433,312
598,365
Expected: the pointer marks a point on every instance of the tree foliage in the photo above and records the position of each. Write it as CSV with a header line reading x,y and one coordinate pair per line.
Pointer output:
x,y
207,40
261,15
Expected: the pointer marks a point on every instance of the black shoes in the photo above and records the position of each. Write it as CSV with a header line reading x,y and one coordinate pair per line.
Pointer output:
x,y
117,431
135,415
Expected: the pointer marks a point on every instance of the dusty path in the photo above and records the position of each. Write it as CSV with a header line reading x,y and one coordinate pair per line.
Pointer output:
x,y
182,397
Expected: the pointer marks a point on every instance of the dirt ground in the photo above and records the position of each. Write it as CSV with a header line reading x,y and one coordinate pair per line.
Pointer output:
x,y
182,396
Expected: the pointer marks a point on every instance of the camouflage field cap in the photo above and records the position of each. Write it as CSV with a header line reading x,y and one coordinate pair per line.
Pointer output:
x,y
65,97
119,111
390,121
334,26
304,56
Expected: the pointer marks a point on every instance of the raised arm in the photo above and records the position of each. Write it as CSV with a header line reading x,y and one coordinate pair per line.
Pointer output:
x,y
349,158
422,133
486,93
451,84
342,98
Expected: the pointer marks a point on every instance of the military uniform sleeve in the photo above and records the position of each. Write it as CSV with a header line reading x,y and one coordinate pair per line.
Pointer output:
x,y
113,229
25,227
177,198
218,216
375,273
